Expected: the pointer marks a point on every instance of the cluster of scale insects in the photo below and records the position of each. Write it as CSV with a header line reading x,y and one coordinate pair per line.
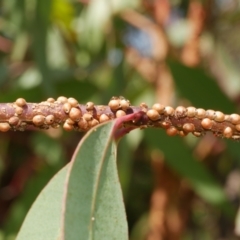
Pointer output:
x,y
197,121
74,116
21,115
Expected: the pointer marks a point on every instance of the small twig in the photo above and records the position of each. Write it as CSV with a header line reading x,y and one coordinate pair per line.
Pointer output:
x,y
22,115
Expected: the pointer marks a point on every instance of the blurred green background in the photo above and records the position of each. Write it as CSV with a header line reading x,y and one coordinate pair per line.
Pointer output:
x,y
169,51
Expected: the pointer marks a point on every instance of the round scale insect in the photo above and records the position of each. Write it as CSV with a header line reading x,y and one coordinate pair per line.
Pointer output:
x,y
70,121
103,118
75,114
235,118
158,107
227,118
89,105
237,127
120,113
51,100
180,111
207,123
165,124
188,127
219,116
200,113
191,111
14,121
210,114
62,99
169,111
20,102
4,127
83,124
153,114
67,107
114,104
93,122
49,119
87,116
172,131
67,127
38,120
73,102
18,110
228,132
124,104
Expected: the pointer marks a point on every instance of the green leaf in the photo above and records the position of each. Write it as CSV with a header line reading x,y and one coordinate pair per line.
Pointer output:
x,y
93,204
89,192
44,218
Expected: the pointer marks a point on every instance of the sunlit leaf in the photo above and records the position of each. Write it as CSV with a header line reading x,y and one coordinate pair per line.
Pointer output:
x,y
94,206
93,203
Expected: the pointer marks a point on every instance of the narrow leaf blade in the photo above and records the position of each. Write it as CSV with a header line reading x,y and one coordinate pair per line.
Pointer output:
x,y
93,206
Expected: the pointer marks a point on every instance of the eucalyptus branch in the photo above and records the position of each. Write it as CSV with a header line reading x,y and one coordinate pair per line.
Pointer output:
x,y
22,115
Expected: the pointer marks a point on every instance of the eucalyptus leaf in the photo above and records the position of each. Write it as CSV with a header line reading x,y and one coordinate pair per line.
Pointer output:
x,y
84,200
93,207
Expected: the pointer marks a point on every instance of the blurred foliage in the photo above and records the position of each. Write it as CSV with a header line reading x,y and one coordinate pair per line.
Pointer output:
x,y
171,51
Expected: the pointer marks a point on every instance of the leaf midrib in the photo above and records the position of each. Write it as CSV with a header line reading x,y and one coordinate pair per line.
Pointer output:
x,y
95,189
